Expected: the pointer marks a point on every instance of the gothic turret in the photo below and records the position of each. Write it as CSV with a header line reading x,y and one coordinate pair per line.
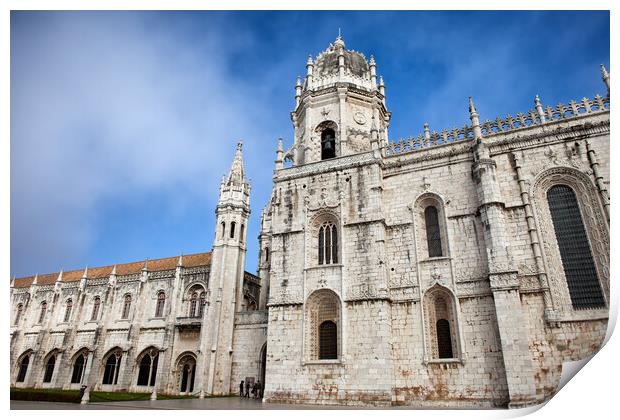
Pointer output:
x,y
335,105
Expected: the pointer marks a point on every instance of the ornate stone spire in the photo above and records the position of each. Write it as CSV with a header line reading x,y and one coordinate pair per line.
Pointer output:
x,y
279,155
605,76
475,121
236,176
539,109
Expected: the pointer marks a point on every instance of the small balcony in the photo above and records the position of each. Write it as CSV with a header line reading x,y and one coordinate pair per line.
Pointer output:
x,y
188,323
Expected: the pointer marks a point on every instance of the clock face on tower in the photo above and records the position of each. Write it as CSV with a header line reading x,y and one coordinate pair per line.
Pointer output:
x,y
359,118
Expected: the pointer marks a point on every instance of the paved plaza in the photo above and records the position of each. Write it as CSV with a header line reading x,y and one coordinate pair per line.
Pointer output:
x,y
224,403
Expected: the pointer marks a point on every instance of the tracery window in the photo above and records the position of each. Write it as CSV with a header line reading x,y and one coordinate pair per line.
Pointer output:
x,y
112,368
23,368
68,307
18,313
193,302
186,368
440,320
78,369
322,325
581,276
148,368
433,235
49,369
43,311
126,307
96,305
328,243
161,301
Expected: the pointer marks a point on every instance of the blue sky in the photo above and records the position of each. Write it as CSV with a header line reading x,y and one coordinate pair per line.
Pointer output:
x,y
123,123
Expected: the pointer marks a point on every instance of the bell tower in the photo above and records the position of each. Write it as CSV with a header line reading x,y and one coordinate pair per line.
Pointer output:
x,y
339,108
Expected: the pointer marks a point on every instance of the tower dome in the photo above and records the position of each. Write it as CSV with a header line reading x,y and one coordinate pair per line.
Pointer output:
x,y
354,62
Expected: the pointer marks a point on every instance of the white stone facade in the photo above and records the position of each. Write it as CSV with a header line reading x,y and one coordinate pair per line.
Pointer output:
x,y
427,272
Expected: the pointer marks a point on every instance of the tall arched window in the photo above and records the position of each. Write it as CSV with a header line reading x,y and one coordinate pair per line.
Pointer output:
x,y
161,301
444,339
328,340
43,311
18,313
328,243
223,229
96,305
148,368
433,235
126,307
322,325
193,303
232,229
49,369
23,368
328,144
68,307
266,254
441,324
581,277
78,369
112,368
241,232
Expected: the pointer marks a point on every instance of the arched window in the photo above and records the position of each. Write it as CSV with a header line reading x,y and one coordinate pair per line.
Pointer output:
x,y
203,301
232,229
433,235
49,368
96,305
241,232
18,313
68,307
193,302
148,368
126,307
186,368
43,311
322,325
440,320
581,277
328,340
328,243
78,369
112,368
444,339
161,301
223,229
267,254
328,144
23,368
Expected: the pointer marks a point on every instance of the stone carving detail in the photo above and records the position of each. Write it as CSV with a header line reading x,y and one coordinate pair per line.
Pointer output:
x,y
594,222
365,291
358,140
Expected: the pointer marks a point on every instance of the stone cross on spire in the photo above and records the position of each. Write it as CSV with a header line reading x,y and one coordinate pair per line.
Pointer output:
x,y
236,176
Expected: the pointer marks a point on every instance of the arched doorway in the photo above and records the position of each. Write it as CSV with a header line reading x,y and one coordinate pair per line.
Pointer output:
x,y
186,372
263,365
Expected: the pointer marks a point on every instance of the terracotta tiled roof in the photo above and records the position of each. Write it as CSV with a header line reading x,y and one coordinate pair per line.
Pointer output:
x,y
163,264
193,260
196,260
24,281
74,275
47,278
129,268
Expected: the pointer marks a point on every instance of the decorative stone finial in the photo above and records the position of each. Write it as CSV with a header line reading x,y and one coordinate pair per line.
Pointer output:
x,y
309,62
85,273
372,60
113,273
236,175
472,107
427,131
473,116
298,81
605,76
339,42
36,279
279,155
539,109
180,262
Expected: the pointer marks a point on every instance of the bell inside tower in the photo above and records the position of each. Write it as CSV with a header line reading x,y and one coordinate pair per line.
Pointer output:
x,y
328,144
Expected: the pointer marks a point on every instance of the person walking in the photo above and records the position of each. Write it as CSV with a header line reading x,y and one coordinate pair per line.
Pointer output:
x,y
259,389
254,390
247,389
241,389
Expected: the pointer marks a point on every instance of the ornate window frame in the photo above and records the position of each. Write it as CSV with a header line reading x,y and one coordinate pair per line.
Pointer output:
x,y
420,205
430,300
597,231
316,311
318,220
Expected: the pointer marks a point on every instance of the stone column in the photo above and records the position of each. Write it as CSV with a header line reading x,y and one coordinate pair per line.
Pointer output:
x,y
511,321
